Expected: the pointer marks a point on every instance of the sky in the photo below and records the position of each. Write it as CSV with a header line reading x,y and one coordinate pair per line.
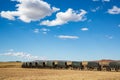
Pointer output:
x,y
76,30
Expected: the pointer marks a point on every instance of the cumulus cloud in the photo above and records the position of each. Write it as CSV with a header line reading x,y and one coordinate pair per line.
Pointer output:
x,y
30,10
114,10
21,55
65,17
67,37
84,29
8,15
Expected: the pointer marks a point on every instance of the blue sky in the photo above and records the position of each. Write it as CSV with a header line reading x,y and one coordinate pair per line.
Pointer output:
x,y
59,30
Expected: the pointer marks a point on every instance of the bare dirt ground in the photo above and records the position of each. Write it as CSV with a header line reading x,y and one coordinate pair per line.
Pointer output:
x,y
52,74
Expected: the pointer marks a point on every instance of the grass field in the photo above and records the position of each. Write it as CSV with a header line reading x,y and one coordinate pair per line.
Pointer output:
x,y
10,64
18,73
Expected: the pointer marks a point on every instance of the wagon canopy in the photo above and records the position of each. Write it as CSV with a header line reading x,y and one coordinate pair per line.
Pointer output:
x,y
76,64
93,64
61,64
114,64
49,64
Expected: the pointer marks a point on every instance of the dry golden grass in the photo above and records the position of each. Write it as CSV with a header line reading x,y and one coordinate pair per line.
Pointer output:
x,y
54,74
10,64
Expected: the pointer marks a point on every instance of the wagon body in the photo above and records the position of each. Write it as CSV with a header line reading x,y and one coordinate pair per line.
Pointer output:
x,y
40,64
93,65
49,64
114,65
76,64
24,65
61,64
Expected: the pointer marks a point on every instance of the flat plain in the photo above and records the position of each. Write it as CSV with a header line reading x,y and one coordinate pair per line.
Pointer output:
x,y
18,73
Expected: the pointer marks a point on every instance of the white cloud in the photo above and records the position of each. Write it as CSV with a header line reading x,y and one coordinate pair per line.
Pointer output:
x,y
29,10
114,10
43,30
109,36
105,0
84,29
36,30
102,0
90,20
119,25
95,9
65,17
95,0
11,50
21,55
67,37
8,14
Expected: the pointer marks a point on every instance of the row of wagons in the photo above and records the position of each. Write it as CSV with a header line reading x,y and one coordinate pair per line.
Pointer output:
x,y
83,65
52,64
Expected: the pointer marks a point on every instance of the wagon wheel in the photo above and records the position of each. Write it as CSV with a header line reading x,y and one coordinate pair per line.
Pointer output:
x,y
116,69
70,67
